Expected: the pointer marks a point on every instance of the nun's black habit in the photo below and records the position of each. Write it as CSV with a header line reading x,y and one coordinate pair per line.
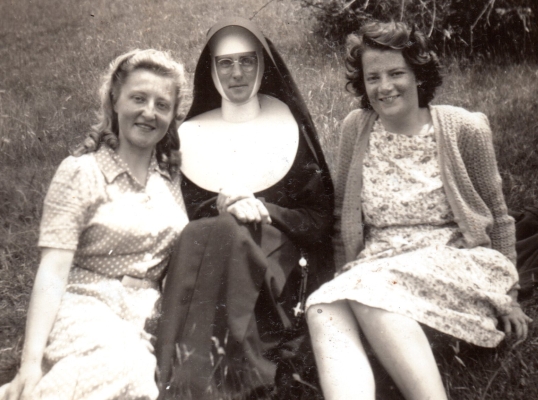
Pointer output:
x,y
237,286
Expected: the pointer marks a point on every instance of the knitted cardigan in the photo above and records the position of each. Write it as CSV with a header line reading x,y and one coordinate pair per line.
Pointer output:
x,y
468,171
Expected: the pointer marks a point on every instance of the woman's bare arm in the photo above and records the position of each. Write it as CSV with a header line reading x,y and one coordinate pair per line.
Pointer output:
x,y
49,287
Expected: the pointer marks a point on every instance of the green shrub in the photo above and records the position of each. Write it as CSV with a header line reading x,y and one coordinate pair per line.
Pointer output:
x,y
494,29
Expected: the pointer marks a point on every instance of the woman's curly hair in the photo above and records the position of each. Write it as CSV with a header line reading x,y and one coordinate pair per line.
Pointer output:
x,y
393,36
106,130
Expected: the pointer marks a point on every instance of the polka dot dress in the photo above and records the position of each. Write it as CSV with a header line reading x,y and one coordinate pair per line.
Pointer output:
x,y
414,262
99,347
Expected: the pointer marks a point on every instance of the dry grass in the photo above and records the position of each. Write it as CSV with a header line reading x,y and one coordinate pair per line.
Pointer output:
x,y
53,52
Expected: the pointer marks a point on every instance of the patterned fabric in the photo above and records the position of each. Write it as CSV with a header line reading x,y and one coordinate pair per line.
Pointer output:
x,y
414,260
98,348
116,225
99,345
401,176
404,204
468,170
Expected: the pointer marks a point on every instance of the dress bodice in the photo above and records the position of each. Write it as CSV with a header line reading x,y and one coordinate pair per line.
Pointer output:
x,y
116,225
404,203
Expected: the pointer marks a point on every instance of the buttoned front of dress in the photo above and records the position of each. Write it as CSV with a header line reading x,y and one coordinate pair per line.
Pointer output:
x,y
116,225
99,346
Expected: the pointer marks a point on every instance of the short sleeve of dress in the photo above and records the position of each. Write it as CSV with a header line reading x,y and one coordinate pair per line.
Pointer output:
x,y
66,204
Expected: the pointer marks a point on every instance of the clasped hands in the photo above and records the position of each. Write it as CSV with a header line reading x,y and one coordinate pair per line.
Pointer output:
x,y
241,203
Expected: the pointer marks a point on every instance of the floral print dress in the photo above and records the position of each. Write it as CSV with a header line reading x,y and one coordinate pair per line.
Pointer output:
x,y
414,262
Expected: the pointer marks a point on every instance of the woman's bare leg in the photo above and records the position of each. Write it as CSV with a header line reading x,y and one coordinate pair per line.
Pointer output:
x,y
344,370
402,347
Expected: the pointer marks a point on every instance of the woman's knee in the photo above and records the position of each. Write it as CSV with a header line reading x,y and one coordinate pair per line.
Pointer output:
x,y
320,316
224,227
198,226
226,222
364,311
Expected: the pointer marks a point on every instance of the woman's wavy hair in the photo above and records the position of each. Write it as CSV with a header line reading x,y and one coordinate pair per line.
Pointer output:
x,y
106,130
393,36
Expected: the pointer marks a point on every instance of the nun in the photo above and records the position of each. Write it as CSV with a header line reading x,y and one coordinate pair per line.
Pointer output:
x,y
260,200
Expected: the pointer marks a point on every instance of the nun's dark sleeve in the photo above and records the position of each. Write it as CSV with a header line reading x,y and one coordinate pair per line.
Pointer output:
x,y
306,218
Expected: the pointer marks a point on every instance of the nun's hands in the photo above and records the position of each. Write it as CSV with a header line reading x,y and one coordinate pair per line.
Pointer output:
x,y
516,322
241,203
230,195
250,210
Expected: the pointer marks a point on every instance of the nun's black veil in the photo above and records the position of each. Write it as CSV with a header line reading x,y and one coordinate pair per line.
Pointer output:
x,y
276,82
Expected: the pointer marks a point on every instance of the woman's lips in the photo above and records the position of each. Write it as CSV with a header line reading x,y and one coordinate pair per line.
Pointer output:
x,y
389,99
145,127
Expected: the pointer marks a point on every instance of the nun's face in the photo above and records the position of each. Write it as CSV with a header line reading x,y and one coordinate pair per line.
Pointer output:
x,y
237,75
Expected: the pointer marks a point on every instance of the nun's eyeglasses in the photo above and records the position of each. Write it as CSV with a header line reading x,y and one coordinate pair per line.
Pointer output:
x,y
247,64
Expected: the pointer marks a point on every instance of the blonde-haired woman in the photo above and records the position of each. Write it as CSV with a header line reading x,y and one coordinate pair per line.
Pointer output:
x,y
110,218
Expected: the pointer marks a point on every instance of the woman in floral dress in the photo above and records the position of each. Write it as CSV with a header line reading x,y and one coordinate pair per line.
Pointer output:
x,y
422,231
110,219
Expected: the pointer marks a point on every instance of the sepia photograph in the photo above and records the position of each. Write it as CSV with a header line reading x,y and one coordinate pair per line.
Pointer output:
x,y
268,199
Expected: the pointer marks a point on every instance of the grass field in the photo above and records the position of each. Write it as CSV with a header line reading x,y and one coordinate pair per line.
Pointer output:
x,y
53,51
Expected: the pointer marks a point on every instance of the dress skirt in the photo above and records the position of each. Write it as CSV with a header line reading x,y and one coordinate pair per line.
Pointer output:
x,y
98,348
415,261
228,307
460,292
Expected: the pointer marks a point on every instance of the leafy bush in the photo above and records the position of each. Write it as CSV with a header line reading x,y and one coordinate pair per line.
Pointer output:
x,y
497,29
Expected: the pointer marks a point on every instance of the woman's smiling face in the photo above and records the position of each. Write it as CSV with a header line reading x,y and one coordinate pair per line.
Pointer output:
x,y
390,83
145,109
